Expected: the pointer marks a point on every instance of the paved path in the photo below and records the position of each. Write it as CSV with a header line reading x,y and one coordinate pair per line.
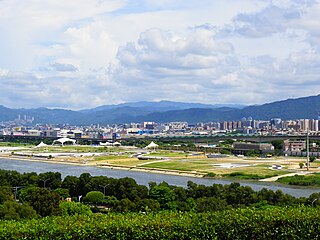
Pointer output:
x,y
154,161
273,179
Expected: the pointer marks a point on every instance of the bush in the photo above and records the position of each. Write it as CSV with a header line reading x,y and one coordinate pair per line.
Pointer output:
x,y
210,175
74,208
249,223
312,158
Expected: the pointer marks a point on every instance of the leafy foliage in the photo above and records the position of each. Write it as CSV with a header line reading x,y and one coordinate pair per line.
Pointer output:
x,y
250,223
74,208
301,180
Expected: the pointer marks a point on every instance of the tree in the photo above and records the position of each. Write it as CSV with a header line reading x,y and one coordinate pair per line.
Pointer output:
x,y
208,204
165,196
71,183
5,194
312,158
225,151
94,197
44,201
62,192
15,211
147,205
278,146
84,179
74,208
253,153
50,180
124,205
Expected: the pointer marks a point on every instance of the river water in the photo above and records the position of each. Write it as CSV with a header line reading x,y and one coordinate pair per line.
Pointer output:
x,y
141,177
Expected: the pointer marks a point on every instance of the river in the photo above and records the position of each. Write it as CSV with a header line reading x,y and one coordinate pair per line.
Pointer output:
x,y
141,177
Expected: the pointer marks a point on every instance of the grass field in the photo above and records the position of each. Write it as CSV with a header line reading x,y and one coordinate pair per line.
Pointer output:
x,y
230,166
167,154
12,144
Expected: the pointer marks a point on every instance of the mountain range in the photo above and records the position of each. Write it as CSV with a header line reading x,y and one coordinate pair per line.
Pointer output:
x,y
167,111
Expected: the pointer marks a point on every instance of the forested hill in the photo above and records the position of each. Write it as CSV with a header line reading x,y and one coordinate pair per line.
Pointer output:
x,y
306,107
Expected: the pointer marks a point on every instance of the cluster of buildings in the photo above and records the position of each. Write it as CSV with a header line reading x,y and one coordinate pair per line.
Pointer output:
x,y
276,126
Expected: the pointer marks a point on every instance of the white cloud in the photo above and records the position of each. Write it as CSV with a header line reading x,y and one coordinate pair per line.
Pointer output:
x,y
84,53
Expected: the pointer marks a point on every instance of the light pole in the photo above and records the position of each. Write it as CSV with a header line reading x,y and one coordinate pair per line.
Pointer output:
x,y
44,182
314,201
104,188
79,198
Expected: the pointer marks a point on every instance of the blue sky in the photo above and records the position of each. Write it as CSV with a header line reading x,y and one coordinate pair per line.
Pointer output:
x,y
80,54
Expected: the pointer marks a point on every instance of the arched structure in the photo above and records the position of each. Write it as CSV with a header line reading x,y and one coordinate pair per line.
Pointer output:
x,y
62,141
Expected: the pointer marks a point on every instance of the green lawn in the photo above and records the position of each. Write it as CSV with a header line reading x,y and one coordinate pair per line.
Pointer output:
x,y
13,144
167,154
204,165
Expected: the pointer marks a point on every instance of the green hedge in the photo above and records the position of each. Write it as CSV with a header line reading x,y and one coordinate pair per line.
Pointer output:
x,y
273,223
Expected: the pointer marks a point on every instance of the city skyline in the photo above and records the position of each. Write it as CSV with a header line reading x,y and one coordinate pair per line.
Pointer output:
x,y
83,54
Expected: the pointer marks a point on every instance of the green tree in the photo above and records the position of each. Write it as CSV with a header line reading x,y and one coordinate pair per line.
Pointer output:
x,y
62,192
15,211
94,197
165,196
253,153
278,146
208,204
312,158
147,205
50,180
71,183
44,201
74,208
5,194
124,205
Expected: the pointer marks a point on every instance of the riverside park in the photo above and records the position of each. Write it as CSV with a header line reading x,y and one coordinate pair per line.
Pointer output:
x,y
194,163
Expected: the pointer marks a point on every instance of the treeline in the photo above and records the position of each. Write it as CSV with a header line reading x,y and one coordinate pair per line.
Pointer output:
x,y
42,195
249,223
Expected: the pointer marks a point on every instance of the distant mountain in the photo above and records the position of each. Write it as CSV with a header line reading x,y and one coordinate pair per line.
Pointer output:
x,y
166,111
161,106
305,107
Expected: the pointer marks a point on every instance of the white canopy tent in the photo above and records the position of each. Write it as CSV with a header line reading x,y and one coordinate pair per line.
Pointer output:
x,y
42,144
105,144
152,145
62,141
115,144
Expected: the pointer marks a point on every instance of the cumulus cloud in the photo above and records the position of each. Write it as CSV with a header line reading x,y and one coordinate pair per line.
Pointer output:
x,y
161,50
23,90
86,53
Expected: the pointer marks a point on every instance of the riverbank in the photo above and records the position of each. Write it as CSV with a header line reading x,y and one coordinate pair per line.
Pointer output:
x,y
105,165
81,161
143,177
155,170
